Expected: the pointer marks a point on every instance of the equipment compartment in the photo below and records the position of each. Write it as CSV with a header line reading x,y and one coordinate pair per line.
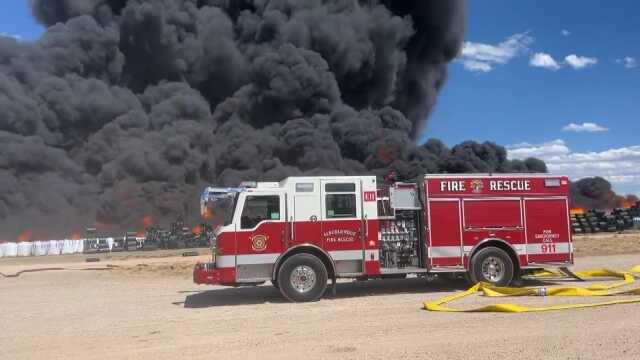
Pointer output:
x,y
400,241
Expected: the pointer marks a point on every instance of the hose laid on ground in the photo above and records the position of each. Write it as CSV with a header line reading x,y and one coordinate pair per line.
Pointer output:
x,y
108,267
592,290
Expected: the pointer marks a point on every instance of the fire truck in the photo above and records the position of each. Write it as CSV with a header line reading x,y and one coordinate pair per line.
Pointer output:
x,y
304,231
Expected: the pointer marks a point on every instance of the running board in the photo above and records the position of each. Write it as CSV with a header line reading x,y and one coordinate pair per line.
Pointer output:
x,y
444,269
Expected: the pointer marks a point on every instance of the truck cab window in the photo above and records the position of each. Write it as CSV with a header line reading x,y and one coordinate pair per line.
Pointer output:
x,y
259,208
341,206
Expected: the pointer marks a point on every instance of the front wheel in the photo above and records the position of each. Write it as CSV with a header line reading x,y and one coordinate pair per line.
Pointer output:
x,y
492,265
302,278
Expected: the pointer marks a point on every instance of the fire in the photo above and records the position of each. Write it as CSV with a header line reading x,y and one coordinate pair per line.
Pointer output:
x,y
147,221
208,214
197,230
627,202
26,235
577,211
75,236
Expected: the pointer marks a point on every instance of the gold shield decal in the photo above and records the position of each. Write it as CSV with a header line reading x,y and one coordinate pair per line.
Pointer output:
x,y
259,242
476,186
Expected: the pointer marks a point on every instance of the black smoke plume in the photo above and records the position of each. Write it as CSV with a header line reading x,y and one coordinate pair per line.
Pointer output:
x,y
127,108
597,193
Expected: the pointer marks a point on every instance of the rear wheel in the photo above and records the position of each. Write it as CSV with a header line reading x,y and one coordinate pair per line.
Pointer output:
x,y
492,265
302,278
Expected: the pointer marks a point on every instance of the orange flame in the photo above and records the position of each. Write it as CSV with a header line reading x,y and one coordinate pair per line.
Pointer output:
x,y
26,235
627,202
577,211
147,221
75,236
197,230
208,214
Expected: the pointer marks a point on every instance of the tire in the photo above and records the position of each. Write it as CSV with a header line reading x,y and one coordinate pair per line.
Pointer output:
x,y
492,265
275,284
302,278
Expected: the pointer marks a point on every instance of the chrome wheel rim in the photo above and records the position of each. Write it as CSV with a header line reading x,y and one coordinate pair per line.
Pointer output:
x,y
493,269
302,278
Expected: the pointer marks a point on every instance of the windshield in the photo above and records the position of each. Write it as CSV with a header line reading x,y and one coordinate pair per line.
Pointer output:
x,y
221,209
228,217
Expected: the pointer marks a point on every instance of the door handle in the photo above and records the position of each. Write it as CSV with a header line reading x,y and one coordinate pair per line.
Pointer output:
x,y
291,227
366,227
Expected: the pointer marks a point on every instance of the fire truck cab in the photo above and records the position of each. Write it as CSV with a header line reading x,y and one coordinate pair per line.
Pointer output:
x,y
303,231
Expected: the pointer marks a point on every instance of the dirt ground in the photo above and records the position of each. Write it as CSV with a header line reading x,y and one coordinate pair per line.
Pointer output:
x,y
607,243
144,306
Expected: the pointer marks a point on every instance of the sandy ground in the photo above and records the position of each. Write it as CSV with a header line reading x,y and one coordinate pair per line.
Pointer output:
x,y
145,306
607,243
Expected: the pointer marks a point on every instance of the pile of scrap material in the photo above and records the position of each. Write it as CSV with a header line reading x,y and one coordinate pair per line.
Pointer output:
x,y
179,237
595,221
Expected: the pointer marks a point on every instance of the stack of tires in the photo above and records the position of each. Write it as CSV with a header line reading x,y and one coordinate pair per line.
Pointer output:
x,y
576,223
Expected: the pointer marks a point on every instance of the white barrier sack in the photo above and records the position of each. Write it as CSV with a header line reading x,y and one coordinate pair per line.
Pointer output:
x,y
110,242
68,246
2,247
11,250
55,246
79,245
25,248
40,248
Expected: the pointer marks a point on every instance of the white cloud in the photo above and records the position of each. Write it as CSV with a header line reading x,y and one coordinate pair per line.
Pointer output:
x,y
621,166
484,57
473,65
628,62
544,60
580,62
544,150
4,34
585,127
566,32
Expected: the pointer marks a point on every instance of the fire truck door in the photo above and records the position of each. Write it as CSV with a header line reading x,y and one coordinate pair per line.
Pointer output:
x,y
445,233
260,235
547,230
305,217
342,223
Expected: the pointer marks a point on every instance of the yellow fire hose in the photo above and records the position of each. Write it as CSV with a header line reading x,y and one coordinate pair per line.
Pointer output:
x,y
592,290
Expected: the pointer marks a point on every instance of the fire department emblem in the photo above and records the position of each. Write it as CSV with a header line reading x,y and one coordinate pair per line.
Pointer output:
x,y
259,243
476,186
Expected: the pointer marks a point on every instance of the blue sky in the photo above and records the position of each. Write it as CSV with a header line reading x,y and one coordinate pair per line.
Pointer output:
x,y
553,79
515,86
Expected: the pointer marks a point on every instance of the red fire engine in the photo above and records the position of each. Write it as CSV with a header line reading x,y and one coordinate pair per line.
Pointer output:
x,y
303,231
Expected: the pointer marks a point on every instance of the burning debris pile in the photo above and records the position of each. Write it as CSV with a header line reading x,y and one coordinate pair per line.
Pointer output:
x,y
594,221
597,193
597,208
126,107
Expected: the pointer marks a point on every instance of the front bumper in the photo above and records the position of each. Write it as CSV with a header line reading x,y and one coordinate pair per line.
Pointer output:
x,y
207,273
